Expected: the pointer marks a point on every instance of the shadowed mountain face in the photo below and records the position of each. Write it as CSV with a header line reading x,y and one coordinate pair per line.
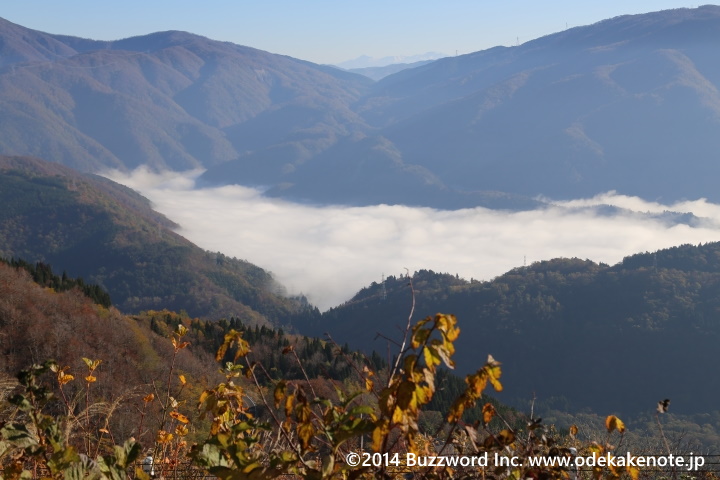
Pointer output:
x,y
630,104
109,235
612,338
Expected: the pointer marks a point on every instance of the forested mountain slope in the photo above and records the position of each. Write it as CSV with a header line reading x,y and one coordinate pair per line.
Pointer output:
x,y
109,235
607,337
39,324
135,353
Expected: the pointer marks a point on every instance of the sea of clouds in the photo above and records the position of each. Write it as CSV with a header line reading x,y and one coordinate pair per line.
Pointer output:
x,y
329,253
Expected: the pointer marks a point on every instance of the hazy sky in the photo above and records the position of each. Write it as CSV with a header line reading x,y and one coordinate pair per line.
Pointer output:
x,y
329,253
328,31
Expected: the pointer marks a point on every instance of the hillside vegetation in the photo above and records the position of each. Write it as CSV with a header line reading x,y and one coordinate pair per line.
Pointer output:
x,y
60,422
645,328
109,235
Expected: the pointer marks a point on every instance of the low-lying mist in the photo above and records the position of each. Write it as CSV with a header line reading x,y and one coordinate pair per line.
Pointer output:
x,y
329,252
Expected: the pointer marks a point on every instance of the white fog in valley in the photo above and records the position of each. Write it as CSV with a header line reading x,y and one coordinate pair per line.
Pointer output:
x,y
328,253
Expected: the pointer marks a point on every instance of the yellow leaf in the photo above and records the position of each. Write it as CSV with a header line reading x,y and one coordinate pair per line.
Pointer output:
x,y
65,378
612,422
179,417
634,472
369,384
181,430
91,364
279,392
305,432
90,379
620,426
616,470
595,449
420,336
164,437
149,398
289,403
493,371
431,357
505,437
446,324
477,382
455,412
488,412
398,415
182,379
233,337
203,397
379,434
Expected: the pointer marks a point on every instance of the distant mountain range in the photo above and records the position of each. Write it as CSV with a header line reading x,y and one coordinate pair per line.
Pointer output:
x,y
629,104
365,61
378,73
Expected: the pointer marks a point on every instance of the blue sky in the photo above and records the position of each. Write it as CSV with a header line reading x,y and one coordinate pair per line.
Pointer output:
x,y
328,31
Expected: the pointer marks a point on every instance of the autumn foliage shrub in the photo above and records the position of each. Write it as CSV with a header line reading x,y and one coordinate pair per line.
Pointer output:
x,y
247,426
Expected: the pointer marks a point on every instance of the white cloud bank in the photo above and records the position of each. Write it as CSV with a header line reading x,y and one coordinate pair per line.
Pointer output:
x,y
330,252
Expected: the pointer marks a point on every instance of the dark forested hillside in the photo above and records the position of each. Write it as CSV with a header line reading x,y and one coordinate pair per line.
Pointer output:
x,y
590,335
43,275
109,235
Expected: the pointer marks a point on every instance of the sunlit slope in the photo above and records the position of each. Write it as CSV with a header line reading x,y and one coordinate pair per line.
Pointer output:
x,y
169,100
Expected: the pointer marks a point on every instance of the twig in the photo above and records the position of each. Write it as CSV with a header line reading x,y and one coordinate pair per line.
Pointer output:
x,y
407,330
349,362
292,444
667,446
302,369
378,334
